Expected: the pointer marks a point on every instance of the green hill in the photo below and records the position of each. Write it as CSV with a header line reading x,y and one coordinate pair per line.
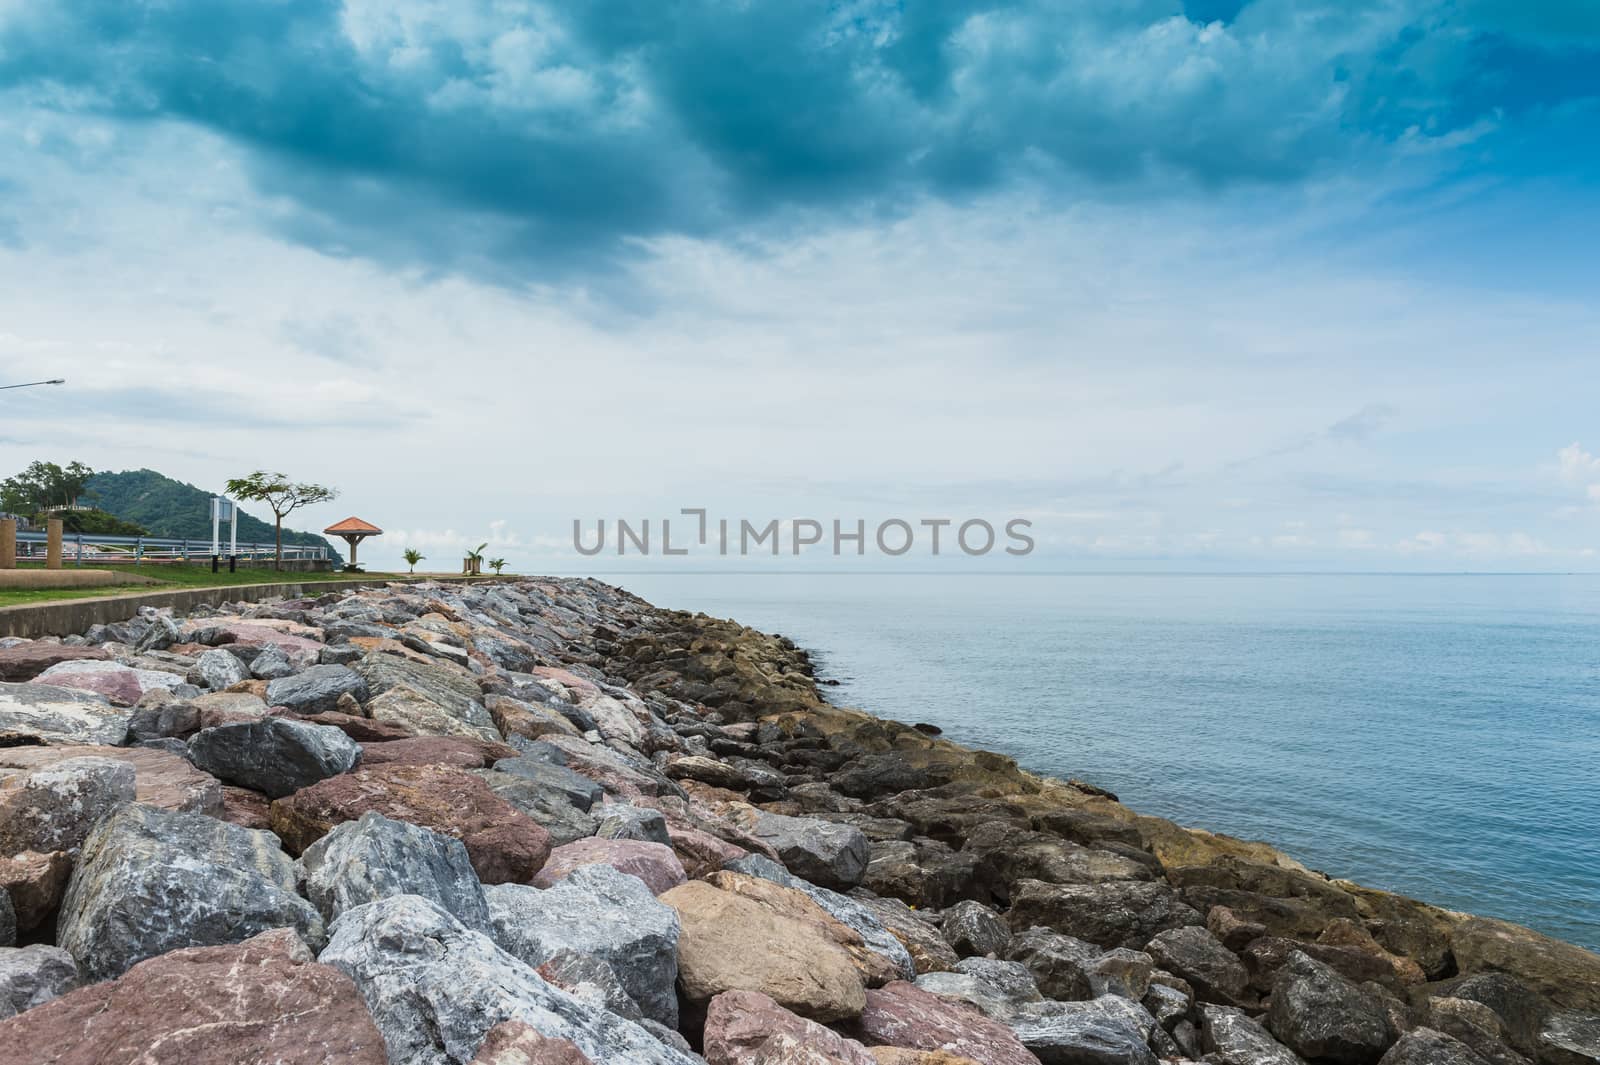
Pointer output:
x,y
176,510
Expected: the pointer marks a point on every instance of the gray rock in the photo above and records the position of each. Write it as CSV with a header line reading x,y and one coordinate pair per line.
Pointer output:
x,y
159,716
8,921
375,858
847,911
1215,973
1116,913
272,663
340,655
1570,1039
1232,1038
217,669
578,789
1059,963
599,911
1121,972
998,989
1473,1023
435,988
424,716
1167,1005
316,689
162,633
616,820
55,808
276,756
974,929
591,980
550,806
1424,1046
61,715
1319,1014
1108,1030
827,854
31,976
149,881
448,687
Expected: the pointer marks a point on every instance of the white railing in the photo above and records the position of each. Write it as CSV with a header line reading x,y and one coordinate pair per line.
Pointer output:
x,y
138,550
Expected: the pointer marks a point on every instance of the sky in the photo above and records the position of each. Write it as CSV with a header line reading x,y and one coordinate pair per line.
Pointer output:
x,y
1280,284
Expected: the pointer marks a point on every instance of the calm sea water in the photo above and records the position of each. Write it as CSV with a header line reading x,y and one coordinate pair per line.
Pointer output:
x,y
1433,735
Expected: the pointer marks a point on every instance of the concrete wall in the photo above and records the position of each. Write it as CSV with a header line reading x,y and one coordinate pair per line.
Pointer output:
x,y
76,615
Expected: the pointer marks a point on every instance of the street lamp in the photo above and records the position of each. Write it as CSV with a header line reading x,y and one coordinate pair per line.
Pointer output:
x,y
32,384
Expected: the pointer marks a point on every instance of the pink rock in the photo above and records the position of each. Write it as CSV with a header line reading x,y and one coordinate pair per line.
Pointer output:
x,y
264,631
700,852
746,1026
518,1043
27,660
653,863
160,778
902,1015
121,684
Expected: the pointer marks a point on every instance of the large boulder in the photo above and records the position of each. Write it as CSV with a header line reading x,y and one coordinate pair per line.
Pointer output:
x,y
316,688
55,807
436,988
1424,1046
1319,1014
505,845
149,881
217,669
459,751
732,943
1060,964
916,932
517,1043
902,1015
27,660
45,713
1214,971
418,713
743,1027
550,805
998,989
1233,1038
603,913
1570,1038
449,687
31,976
826,853
652,863
34,882
1117,913
577,789
619,820
1109,1030
974,929
1567,975
263,1000
124,685
273,755
161,778
375,857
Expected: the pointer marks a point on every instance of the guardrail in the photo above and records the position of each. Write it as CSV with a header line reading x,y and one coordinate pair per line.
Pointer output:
x,y
138,550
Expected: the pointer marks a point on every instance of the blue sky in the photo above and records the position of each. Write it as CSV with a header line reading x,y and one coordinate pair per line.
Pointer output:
x,y
1266,284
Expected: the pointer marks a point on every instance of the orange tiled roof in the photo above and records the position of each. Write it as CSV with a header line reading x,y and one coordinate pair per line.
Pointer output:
x,y
353,525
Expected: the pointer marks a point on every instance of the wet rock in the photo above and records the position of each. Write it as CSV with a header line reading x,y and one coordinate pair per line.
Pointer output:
x,y
974,929
517,1043
55,807
216,669
315,689
148,881
600,912
375,857
263,1000
48,714
1112,914
652,863
1567,975
31,976
1319,1014
1104,1031
744,1027
1424,1046
273,755
34,883
621,821
436,988
901,1015
415,712
731,943
827,854
1214,972
27,660
506,846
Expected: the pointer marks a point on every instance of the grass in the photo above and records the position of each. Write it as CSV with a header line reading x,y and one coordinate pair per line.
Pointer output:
x,y
176,577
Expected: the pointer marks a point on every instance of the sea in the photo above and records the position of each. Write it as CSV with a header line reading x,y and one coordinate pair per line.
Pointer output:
x,y
1435,735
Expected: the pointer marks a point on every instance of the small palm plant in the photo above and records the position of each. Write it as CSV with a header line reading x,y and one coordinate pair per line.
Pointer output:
x,y
497,564
475,558
412,557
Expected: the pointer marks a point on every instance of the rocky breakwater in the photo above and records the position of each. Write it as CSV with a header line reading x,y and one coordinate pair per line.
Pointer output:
x,y
544,821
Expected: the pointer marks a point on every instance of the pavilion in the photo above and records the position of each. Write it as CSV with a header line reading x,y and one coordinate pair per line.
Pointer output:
x,y
352,531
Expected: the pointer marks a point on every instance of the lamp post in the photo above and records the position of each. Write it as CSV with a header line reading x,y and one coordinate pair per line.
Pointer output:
x,y
35,384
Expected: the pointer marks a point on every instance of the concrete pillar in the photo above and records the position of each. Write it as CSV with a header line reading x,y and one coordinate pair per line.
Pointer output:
x,y
52,552
8,543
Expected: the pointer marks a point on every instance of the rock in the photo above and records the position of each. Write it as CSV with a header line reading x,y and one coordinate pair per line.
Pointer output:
x,y
149,881
1231,930
1424,1046
743,1027
458,751
1059,964
1521,1012
901,1015
731,943
549,806
374,858
514,717
702,853
1264,958
246,808
1104,1031
159,716
618,820
929,952
1210,968
827,854
719,774
160,777
1570,1039
436,988
315,689
122,684
1567,975
270,664
505,845
276,756
1168,1005
216,670
55,807
998,989
162,633
1474,1024
48,714
578,790
1344,932
652,863
1121,972
516,1043
263,1000
31,976
874,969
25,661
590,980
1232,1038
448,687
974,929
410,709
34,882
600,912
1119,913
1319,1014
902,1056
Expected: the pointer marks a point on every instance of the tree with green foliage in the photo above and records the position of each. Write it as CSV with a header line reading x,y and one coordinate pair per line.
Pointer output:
x,y
44,486
497,564
181,511
99,523
412,557
282,496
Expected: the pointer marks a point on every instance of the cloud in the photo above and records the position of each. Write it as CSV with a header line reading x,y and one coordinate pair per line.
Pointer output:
x,y
537,139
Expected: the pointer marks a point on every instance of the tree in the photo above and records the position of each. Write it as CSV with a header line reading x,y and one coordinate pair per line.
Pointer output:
x,y
43,486
475,558
281,496
497,564
412,557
